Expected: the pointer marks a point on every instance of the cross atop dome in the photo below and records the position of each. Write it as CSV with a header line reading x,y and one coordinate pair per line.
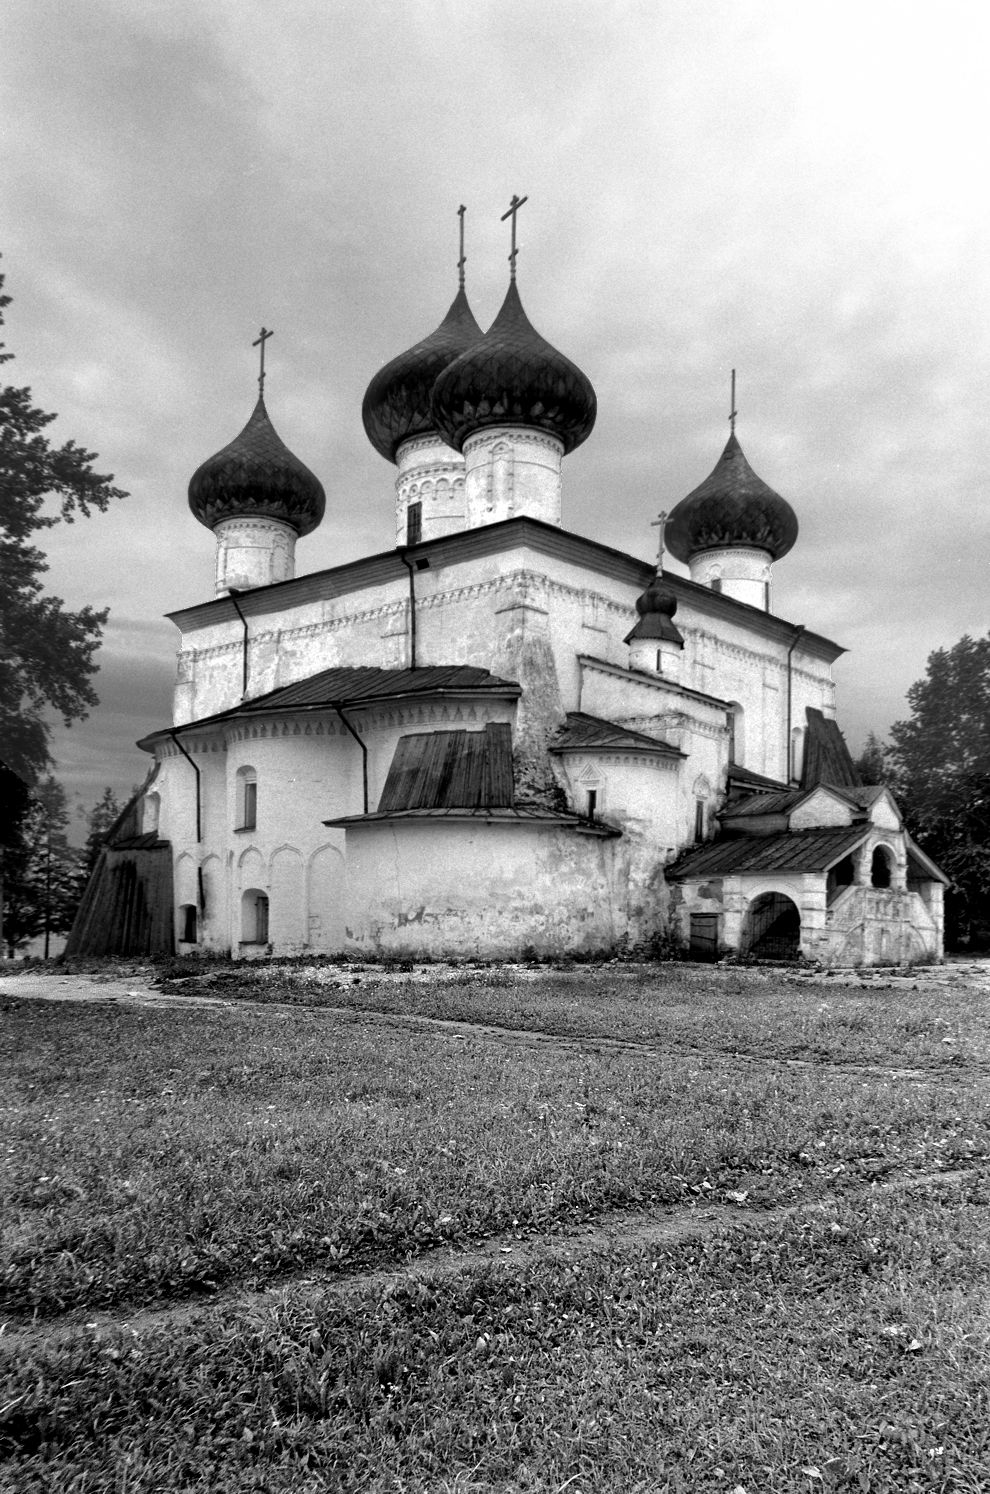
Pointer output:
x,y
259,342
514,207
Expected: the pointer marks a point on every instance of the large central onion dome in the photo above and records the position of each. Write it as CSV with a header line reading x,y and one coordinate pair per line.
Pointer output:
x,y
732,509
257,476
397,401
513,377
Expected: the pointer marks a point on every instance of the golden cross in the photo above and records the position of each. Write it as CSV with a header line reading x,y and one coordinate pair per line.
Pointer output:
x,y
660,522
260,342
462,261
514,207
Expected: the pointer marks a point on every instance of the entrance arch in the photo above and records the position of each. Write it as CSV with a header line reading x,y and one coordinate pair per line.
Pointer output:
x,y
772,930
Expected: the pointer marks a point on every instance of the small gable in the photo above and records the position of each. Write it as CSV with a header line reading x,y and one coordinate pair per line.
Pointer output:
x,y
820,808
883,812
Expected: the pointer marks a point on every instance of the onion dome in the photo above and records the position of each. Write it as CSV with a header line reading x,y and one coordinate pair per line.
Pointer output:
x,y
397,401
656,608
257,476
732,508
513,377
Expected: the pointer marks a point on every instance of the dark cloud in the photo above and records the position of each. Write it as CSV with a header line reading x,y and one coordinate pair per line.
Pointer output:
x,y
789,192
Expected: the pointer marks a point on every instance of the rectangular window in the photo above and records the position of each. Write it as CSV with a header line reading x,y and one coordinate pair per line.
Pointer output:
x,y
766,596
414,523
699,819
187,914
716,583
249,820
592,803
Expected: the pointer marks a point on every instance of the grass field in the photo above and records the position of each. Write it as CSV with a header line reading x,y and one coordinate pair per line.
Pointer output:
x,y
170,1156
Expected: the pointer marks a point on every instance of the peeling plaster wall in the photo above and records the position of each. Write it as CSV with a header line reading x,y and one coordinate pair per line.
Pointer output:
x,y
465,889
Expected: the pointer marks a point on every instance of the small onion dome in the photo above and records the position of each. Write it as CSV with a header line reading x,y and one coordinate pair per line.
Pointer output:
x,y
513,377
731,508
257,476
656,608
397,401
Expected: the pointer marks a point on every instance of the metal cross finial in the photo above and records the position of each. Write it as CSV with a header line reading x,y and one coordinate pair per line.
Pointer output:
x,y
260,342
660,522
514,207
462,261
732,405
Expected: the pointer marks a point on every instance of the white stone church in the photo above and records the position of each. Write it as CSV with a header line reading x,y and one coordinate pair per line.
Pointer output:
x,y
500,737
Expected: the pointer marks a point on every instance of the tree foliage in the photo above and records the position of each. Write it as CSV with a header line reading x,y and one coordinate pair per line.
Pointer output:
x,y
43,875
940,762
871,764
99,821
47,653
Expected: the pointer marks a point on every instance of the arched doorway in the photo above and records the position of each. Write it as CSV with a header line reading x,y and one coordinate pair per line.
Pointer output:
x,y
773,928
881,868
254,917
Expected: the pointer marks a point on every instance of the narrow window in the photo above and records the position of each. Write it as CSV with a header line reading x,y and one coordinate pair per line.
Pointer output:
x,y
737,742
716,583
699,819
187,923
247,799
592,803
414,523
766,596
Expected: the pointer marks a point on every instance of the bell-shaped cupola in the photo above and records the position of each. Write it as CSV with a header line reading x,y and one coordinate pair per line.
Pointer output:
x,y
514,406
732,527
399,424
258,498
655,642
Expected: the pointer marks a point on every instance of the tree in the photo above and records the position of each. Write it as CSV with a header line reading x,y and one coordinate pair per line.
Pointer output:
x,y
871,764
43,875
99,820
46,651
940,767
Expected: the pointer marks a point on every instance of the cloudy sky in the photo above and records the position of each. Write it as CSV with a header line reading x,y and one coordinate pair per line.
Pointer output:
x,y
793,189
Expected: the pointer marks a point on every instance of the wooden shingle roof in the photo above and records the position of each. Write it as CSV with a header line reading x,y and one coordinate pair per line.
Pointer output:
x,y
792,851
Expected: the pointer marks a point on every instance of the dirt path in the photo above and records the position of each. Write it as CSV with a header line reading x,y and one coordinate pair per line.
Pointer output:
x,y
662,1228
139,991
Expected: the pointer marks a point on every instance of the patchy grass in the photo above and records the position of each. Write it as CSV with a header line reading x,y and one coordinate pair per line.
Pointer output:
x,y
844,1350
682,1007
154,1153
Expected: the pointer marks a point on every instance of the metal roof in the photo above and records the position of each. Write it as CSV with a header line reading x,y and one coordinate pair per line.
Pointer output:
x,y
739,777
581,732
792,851
354,687
518,815
759,804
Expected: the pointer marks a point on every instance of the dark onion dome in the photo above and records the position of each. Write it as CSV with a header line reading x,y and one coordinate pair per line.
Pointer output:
x,y
397,401
731,508
257,476
656,608
513,377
